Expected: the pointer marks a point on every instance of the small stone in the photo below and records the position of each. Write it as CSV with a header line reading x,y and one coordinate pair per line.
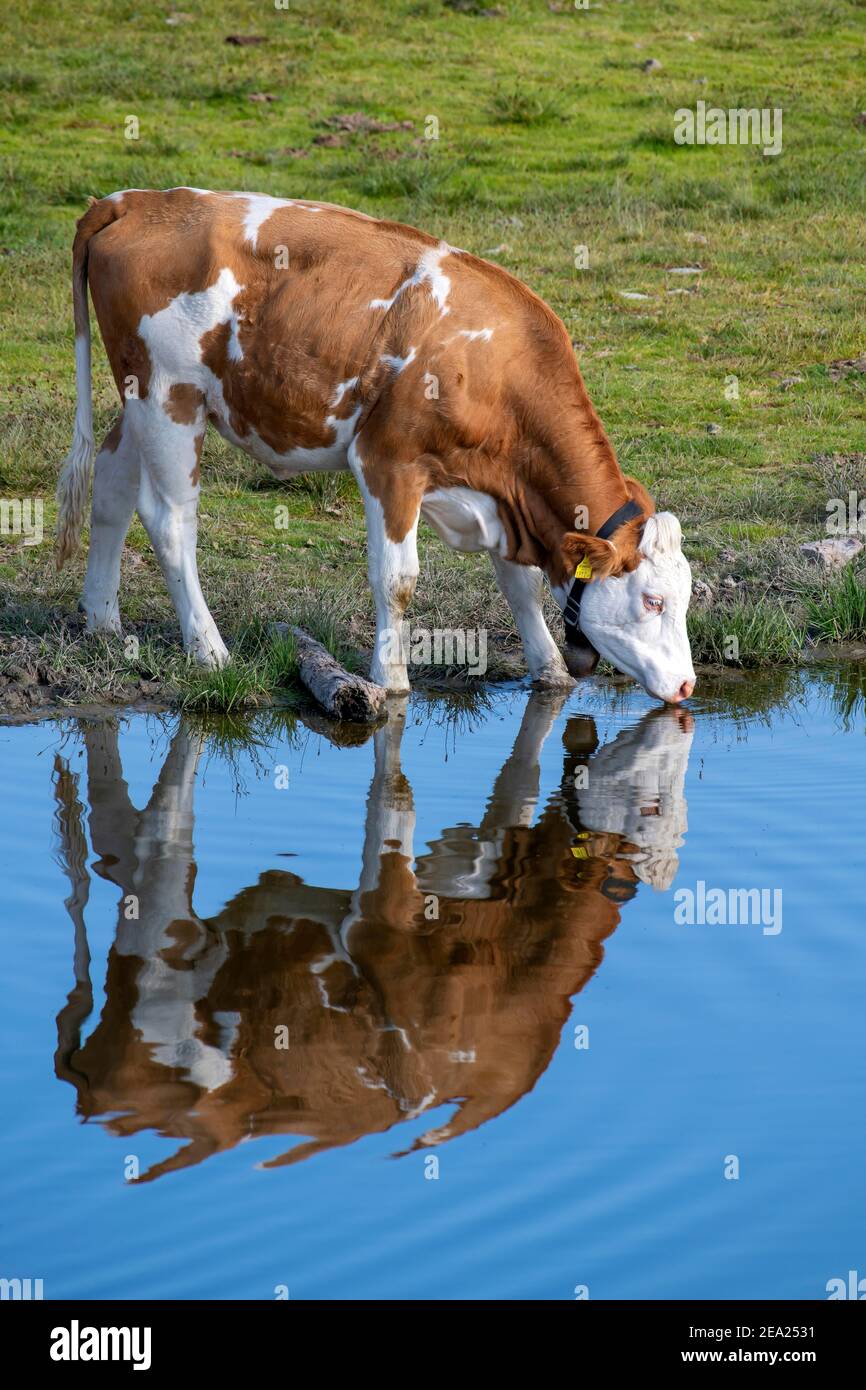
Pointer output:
x,y
22,675
685,270
845,366
702,592
730,582
831,553
650,65
632,294
714,429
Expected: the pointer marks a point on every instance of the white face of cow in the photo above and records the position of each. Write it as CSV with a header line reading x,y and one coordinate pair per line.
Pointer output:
x,y
637,621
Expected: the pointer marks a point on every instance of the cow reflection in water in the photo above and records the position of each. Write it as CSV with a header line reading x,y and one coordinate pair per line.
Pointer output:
x,y
388,1011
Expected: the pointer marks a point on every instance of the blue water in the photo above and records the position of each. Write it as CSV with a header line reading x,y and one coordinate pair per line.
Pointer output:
x,y
431,920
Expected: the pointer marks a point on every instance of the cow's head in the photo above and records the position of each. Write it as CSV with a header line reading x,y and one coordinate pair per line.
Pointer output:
x,y
633,609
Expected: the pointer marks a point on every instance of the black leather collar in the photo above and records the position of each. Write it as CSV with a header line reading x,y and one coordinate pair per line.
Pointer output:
x,y
571,613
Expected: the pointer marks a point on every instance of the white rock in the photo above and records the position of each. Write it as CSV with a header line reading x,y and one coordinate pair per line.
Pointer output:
x,y
832,553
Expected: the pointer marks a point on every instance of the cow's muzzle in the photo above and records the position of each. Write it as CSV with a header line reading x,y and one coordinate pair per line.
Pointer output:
x,y
581,658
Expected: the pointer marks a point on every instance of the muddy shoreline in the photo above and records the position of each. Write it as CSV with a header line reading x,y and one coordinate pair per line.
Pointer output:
x,y
26,697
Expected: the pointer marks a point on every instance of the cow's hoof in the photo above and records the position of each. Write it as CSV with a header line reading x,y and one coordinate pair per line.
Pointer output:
x,y
103,627
104,618
556,678
393,682
209,656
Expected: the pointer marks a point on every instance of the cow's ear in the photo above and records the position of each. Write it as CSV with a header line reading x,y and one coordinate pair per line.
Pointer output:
x,y
589,552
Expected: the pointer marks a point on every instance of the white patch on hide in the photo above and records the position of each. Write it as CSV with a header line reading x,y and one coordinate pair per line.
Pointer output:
x,y
465,519
427,270
399,364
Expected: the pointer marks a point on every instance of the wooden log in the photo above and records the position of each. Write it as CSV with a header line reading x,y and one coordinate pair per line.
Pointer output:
x,y
341,694
339,733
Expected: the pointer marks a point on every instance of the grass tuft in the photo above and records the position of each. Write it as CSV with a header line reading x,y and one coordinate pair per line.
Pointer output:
x,y
226,690
519,105
745,634
838,613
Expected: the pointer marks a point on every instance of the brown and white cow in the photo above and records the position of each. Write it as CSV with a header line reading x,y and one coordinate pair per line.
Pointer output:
x,y
314,337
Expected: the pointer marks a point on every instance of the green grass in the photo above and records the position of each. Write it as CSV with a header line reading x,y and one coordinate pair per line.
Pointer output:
x,y
233,687
838,614
518,105
550,137
745,634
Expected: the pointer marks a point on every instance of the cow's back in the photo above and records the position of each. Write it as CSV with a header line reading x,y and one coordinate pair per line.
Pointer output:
x,y
271,307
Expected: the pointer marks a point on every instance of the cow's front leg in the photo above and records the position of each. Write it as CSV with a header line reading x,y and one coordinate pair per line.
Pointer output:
x,y
523,586
392,566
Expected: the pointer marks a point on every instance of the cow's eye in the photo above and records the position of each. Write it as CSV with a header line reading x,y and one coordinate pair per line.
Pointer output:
x,y
653,603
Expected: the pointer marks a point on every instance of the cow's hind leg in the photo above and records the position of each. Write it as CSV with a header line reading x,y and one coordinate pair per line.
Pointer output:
x,y
168,507
116,473
523,587
392,566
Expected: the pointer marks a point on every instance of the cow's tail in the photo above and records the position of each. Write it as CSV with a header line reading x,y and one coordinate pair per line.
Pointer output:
x,y
73,484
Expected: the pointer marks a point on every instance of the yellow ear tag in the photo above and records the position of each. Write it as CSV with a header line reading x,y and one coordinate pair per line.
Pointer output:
x,y
580,851
584,570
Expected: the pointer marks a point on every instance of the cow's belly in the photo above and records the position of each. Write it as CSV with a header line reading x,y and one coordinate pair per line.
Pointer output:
x,y
324,458
464,518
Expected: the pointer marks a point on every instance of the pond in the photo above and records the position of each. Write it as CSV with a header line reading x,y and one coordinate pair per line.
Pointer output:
x,y
520,996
